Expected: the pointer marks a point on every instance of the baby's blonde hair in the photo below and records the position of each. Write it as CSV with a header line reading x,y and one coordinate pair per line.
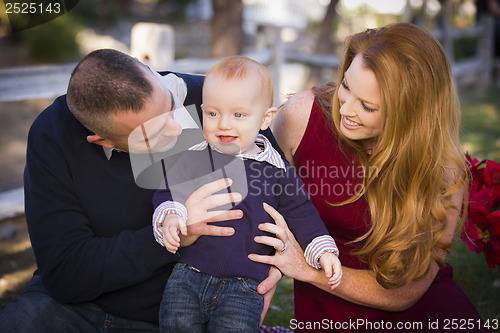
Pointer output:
x,y
236,67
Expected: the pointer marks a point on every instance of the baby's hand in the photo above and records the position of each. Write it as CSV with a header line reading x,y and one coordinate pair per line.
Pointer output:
x,y
171,226
333,269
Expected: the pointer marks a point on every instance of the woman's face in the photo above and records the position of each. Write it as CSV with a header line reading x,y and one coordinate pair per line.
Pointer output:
x,y
359,97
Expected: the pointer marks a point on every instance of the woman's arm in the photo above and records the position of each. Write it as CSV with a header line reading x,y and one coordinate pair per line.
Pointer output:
x,y
357,285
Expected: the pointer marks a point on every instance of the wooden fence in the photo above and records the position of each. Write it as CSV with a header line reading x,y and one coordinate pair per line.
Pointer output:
x,y
25,83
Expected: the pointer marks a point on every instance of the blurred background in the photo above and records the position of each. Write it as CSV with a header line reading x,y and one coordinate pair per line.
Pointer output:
x,y
299,40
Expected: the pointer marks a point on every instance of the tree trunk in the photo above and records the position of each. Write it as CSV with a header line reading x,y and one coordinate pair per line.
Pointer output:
x,y
445,27
227,30
323,43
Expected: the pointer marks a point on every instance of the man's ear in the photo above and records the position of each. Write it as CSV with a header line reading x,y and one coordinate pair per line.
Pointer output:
x,y
98,140
268,117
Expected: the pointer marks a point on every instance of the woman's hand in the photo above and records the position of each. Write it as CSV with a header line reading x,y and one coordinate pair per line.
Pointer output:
x,y
357,285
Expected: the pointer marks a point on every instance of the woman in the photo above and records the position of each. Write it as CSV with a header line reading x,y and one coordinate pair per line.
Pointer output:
x,y
379,153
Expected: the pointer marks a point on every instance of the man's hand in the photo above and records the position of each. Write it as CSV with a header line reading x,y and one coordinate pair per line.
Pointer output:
x,y
199,206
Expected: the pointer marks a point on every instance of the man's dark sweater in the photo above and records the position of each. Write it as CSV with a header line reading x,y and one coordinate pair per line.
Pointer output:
x,y
89,223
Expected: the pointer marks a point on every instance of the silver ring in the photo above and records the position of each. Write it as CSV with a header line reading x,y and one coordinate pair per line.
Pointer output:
x,y
285,246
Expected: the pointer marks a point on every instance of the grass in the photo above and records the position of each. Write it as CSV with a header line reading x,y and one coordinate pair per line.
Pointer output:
x,y
480,136
17,262
281,310
477,280
480,132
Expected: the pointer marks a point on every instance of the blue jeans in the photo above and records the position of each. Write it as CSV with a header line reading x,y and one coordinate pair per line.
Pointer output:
x,y
36,311
195,302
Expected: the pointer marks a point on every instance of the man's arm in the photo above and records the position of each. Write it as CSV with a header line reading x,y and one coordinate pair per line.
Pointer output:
x,y
74,262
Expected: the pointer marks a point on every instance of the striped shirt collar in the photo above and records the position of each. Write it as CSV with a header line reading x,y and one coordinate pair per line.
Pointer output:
x,y
268,153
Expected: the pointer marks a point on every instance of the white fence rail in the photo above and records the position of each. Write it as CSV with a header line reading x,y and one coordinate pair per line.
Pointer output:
x,y
36,82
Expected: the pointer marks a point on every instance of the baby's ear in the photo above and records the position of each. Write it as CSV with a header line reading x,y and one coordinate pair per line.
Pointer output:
x,y
268,117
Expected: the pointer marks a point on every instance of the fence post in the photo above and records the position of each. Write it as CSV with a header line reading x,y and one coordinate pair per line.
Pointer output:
x,y
486,48
444,25
271,38
153,44
276,63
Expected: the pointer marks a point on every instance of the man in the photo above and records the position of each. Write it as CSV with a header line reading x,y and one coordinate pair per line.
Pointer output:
x,y
89,222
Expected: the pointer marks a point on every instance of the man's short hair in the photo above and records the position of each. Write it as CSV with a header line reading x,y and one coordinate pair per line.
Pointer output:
x,y
106,82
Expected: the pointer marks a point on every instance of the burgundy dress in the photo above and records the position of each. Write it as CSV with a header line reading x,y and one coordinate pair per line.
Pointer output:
x,y
331,176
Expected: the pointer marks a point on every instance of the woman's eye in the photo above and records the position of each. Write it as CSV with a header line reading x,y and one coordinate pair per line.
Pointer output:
x,y
367,108
238,115
344,85
212,114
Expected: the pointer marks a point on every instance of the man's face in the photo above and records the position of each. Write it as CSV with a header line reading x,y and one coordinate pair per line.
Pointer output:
x,y
151,130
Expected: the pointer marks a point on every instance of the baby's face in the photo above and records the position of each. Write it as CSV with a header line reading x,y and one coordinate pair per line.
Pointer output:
x,y
234,111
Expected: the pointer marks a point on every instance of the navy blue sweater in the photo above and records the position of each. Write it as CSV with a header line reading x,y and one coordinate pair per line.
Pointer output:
x,y
89,223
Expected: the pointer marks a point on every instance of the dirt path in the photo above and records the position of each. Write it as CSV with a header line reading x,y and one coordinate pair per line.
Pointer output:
x,y
17,262
15,121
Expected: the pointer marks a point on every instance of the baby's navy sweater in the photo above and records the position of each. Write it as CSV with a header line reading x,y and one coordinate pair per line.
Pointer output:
x,y
280,188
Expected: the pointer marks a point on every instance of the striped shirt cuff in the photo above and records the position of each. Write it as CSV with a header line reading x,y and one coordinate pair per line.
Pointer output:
x,y
167,207
317,247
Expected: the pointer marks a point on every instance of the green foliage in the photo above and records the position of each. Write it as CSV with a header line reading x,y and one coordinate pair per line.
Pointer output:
x,y
465,47
104,14
177,9
480,134
53,41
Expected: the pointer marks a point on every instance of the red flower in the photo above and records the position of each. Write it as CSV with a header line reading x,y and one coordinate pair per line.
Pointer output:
x,y
482,226
492,248
495,220
492,173
472,236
